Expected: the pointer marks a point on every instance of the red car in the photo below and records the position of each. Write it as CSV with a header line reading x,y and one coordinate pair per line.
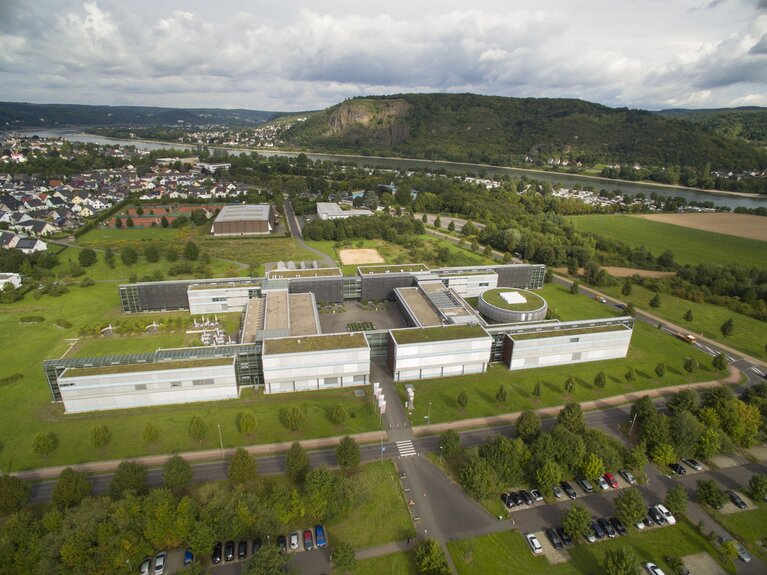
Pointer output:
x,y
611,480
308,540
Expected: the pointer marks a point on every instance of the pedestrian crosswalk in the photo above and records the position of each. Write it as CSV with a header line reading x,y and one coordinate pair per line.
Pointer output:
x,y
406,448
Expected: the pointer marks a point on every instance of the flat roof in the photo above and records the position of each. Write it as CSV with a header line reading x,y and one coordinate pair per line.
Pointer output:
x,y
314,343
333,209
277,314
240,212
392,269
305,273
419,305
532,300
444,333
155,366
303,320
232,285
566,332
254,319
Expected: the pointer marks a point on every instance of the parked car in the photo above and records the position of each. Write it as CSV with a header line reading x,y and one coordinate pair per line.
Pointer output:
x,y
736,500
552,536
242,550
598,531
256,547
585,485
656,516
611,481
607,527
319,536
681,568
641,525
536,495
216,557
692,464
649,521
603,484
742,553
294,540
282,543
589,536
308,540
602,300
678,468
556,491
146,565
618,525
628,476
159,562
568,489
566,539
667,517
188,556
507,500
528,499
228,550
653,569
535,545
518,499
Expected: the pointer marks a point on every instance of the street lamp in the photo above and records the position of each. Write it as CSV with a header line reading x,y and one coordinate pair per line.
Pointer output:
x,y
221,440
129,565
440,454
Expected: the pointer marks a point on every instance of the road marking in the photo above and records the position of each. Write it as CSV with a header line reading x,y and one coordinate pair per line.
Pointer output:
x,y
755,370
406,448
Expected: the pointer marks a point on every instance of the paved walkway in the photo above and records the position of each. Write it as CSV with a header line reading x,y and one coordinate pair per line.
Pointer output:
x,y
295,231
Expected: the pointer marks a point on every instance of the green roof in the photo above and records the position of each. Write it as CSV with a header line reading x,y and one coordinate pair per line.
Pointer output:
x,y
224,285
441,333
392,269
566,332
307,273
155,366
493,297
313,343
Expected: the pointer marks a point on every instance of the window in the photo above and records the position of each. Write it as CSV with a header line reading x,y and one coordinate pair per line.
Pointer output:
x,y
218,299
574,339
66,385
331,381
484,284
141,387
175,384
203,382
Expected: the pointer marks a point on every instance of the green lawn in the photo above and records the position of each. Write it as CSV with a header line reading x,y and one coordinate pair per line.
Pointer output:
x,y
382,515
748,527
689,246
402,563
749,335
508,553
125,233
648,347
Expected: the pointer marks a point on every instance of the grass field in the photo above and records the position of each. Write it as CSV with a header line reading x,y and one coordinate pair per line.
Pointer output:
x,y
402,563
748,527
689,246
648,348
508,553
749,335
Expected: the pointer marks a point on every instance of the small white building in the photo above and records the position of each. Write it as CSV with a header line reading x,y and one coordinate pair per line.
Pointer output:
x,y
12,279
332,211
220,297
315,362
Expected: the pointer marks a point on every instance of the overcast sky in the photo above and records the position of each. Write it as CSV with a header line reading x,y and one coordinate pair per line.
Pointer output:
x,y
298,55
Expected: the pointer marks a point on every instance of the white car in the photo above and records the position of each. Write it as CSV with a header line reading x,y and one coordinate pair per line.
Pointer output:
x,y
628,476
294,540
653,569
603,484
159,563
535,545
666,514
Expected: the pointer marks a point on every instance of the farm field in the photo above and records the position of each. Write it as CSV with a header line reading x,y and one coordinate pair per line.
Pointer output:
x,y
648,348
741,225
689,246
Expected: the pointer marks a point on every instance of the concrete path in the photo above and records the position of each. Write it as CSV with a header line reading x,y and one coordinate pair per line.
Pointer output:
x,y
295,231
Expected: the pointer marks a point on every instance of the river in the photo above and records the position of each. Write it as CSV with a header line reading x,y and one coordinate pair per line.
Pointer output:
x,y
633,188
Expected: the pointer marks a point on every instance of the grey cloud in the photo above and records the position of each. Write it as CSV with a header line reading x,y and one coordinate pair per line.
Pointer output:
x,y
760,47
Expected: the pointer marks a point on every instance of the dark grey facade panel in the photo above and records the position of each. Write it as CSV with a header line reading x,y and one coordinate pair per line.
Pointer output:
x,y
325,289
381,286
163,296
514,276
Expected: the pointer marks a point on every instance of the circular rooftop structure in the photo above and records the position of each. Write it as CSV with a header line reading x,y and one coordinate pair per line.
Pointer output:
x,y
509,305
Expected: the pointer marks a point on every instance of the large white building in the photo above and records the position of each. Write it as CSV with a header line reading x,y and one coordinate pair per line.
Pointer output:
x,y
331,211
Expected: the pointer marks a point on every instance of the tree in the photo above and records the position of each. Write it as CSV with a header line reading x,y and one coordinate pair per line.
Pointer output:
x,y
638,456
128,255
296,462
151,433
630,507
109,257
575,288
118,223
537,390
152,253
246,422
547,476
14,493
676,500
450,443
338,415
266,561
688,315
477,478
128,477
727,328
691,365
430,559
451,226
685,400
663,454
600,380
71,488
164,222
593,467
621,561
758,486
719,362
631,375
343,556
463,399
87,257
709,443
292,418
685,433
44,443
242,467
348,454
630,309
571,417
198,429
176,474
191,251
626,289
100,436
660,370
437,222
528,426
729,551
424,218
501,396
569,384
129,222
577,521
655,301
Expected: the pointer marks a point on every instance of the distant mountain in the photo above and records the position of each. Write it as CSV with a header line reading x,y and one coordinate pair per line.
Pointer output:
x,y
14,115
748,123
497,130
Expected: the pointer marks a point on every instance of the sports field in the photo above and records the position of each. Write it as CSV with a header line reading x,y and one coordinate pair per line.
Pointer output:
x,y
689,246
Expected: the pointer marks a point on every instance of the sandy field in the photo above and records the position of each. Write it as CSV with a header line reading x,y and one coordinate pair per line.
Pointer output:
x,y
741,225
360,256
624,272
703,563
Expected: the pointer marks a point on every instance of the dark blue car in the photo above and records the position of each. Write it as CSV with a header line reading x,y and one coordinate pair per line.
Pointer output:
x,y
319,536
188,556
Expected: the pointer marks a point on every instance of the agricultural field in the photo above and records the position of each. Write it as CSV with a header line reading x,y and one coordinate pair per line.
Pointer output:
x,y
741,225
689,246
648,348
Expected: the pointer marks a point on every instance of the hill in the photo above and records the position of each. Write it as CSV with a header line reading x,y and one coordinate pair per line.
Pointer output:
x,y
15,115
497,130
747,123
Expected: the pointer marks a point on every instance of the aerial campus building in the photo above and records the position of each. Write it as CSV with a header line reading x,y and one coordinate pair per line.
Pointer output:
x,y
244,220
291,337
